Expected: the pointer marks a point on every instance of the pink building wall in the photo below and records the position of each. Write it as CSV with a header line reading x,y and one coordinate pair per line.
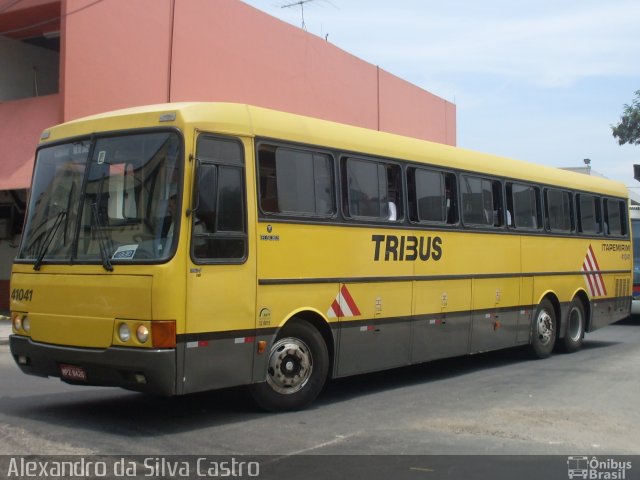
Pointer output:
x,y
21,123
408,110
114,55
272,64
153,51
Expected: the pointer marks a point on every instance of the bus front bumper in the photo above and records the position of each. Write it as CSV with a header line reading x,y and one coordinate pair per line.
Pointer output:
x,y
143,370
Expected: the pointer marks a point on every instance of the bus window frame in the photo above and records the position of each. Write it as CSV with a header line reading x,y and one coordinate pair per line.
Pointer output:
x,y
380,161
194,196
623,206
413,212
537,189
598,221
572,211
275,144
502,208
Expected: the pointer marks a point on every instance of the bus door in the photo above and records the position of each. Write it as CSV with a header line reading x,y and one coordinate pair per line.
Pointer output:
x,y
220,303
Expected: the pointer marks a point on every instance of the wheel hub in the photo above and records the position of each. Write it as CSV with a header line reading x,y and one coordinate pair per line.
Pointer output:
x,y
290,366
545,327
575,325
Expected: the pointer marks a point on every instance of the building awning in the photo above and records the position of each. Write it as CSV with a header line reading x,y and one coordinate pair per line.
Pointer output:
x,y
21,124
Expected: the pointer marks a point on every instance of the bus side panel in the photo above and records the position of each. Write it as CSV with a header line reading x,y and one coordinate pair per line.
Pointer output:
x,y
496,312
526,310
618,307
442,322
218,362
379,339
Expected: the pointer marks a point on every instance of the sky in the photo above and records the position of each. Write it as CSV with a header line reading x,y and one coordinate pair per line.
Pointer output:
x,y
537,80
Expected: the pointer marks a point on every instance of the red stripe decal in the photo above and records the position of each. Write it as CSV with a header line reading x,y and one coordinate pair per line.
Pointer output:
x,y
595,260
347,298
335,306
593,278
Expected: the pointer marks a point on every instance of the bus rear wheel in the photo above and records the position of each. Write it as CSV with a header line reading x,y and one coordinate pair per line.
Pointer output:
x,y
296,371
574,335
543,335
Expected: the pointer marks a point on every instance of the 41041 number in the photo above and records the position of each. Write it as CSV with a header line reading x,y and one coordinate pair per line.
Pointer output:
x,y
22,295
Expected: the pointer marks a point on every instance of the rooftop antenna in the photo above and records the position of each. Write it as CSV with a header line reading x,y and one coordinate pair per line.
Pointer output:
x,y
299,3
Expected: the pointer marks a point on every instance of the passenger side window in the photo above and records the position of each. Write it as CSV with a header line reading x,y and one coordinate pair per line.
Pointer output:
x,y
295,182
219,218
589,215
615,214
372,189
523,206
559,210
481,201
432,196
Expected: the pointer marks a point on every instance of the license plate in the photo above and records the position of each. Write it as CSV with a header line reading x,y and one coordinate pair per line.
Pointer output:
x,y
73,373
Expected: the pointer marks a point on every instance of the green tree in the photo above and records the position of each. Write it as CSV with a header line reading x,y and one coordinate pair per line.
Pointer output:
x,y
628,130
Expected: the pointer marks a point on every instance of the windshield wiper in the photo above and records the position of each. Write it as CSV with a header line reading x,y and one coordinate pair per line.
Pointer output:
x,y
102,242
49,238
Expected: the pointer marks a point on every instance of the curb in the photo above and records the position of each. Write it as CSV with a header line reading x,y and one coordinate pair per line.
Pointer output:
x,y
4,340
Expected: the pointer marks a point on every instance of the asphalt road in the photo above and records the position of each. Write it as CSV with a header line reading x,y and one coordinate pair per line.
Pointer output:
x,y
585,403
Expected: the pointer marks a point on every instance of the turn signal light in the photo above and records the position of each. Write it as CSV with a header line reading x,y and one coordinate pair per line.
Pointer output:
x,y
163,334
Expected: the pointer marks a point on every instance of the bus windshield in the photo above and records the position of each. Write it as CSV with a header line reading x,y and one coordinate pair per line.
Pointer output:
x,y
104,200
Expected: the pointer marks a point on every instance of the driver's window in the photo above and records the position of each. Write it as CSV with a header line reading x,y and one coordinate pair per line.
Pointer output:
x,y
219,232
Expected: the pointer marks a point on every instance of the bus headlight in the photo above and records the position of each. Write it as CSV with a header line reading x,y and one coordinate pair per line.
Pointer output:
x,y
142,333
17,322
124,333
26,324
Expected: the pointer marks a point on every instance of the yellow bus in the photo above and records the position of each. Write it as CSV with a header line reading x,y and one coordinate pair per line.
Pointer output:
x,y
184,247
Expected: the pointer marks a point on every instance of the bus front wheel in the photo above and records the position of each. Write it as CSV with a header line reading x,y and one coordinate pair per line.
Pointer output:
x,y
296,371
543,335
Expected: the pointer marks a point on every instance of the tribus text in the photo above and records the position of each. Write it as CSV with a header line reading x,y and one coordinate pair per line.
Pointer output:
x,y
407,248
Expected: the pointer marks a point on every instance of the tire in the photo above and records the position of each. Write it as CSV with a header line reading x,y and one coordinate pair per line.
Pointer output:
x,y
574,335
543,330
297,369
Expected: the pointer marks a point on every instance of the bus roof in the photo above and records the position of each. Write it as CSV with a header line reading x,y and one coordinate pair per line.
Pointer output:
x,y
247,120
